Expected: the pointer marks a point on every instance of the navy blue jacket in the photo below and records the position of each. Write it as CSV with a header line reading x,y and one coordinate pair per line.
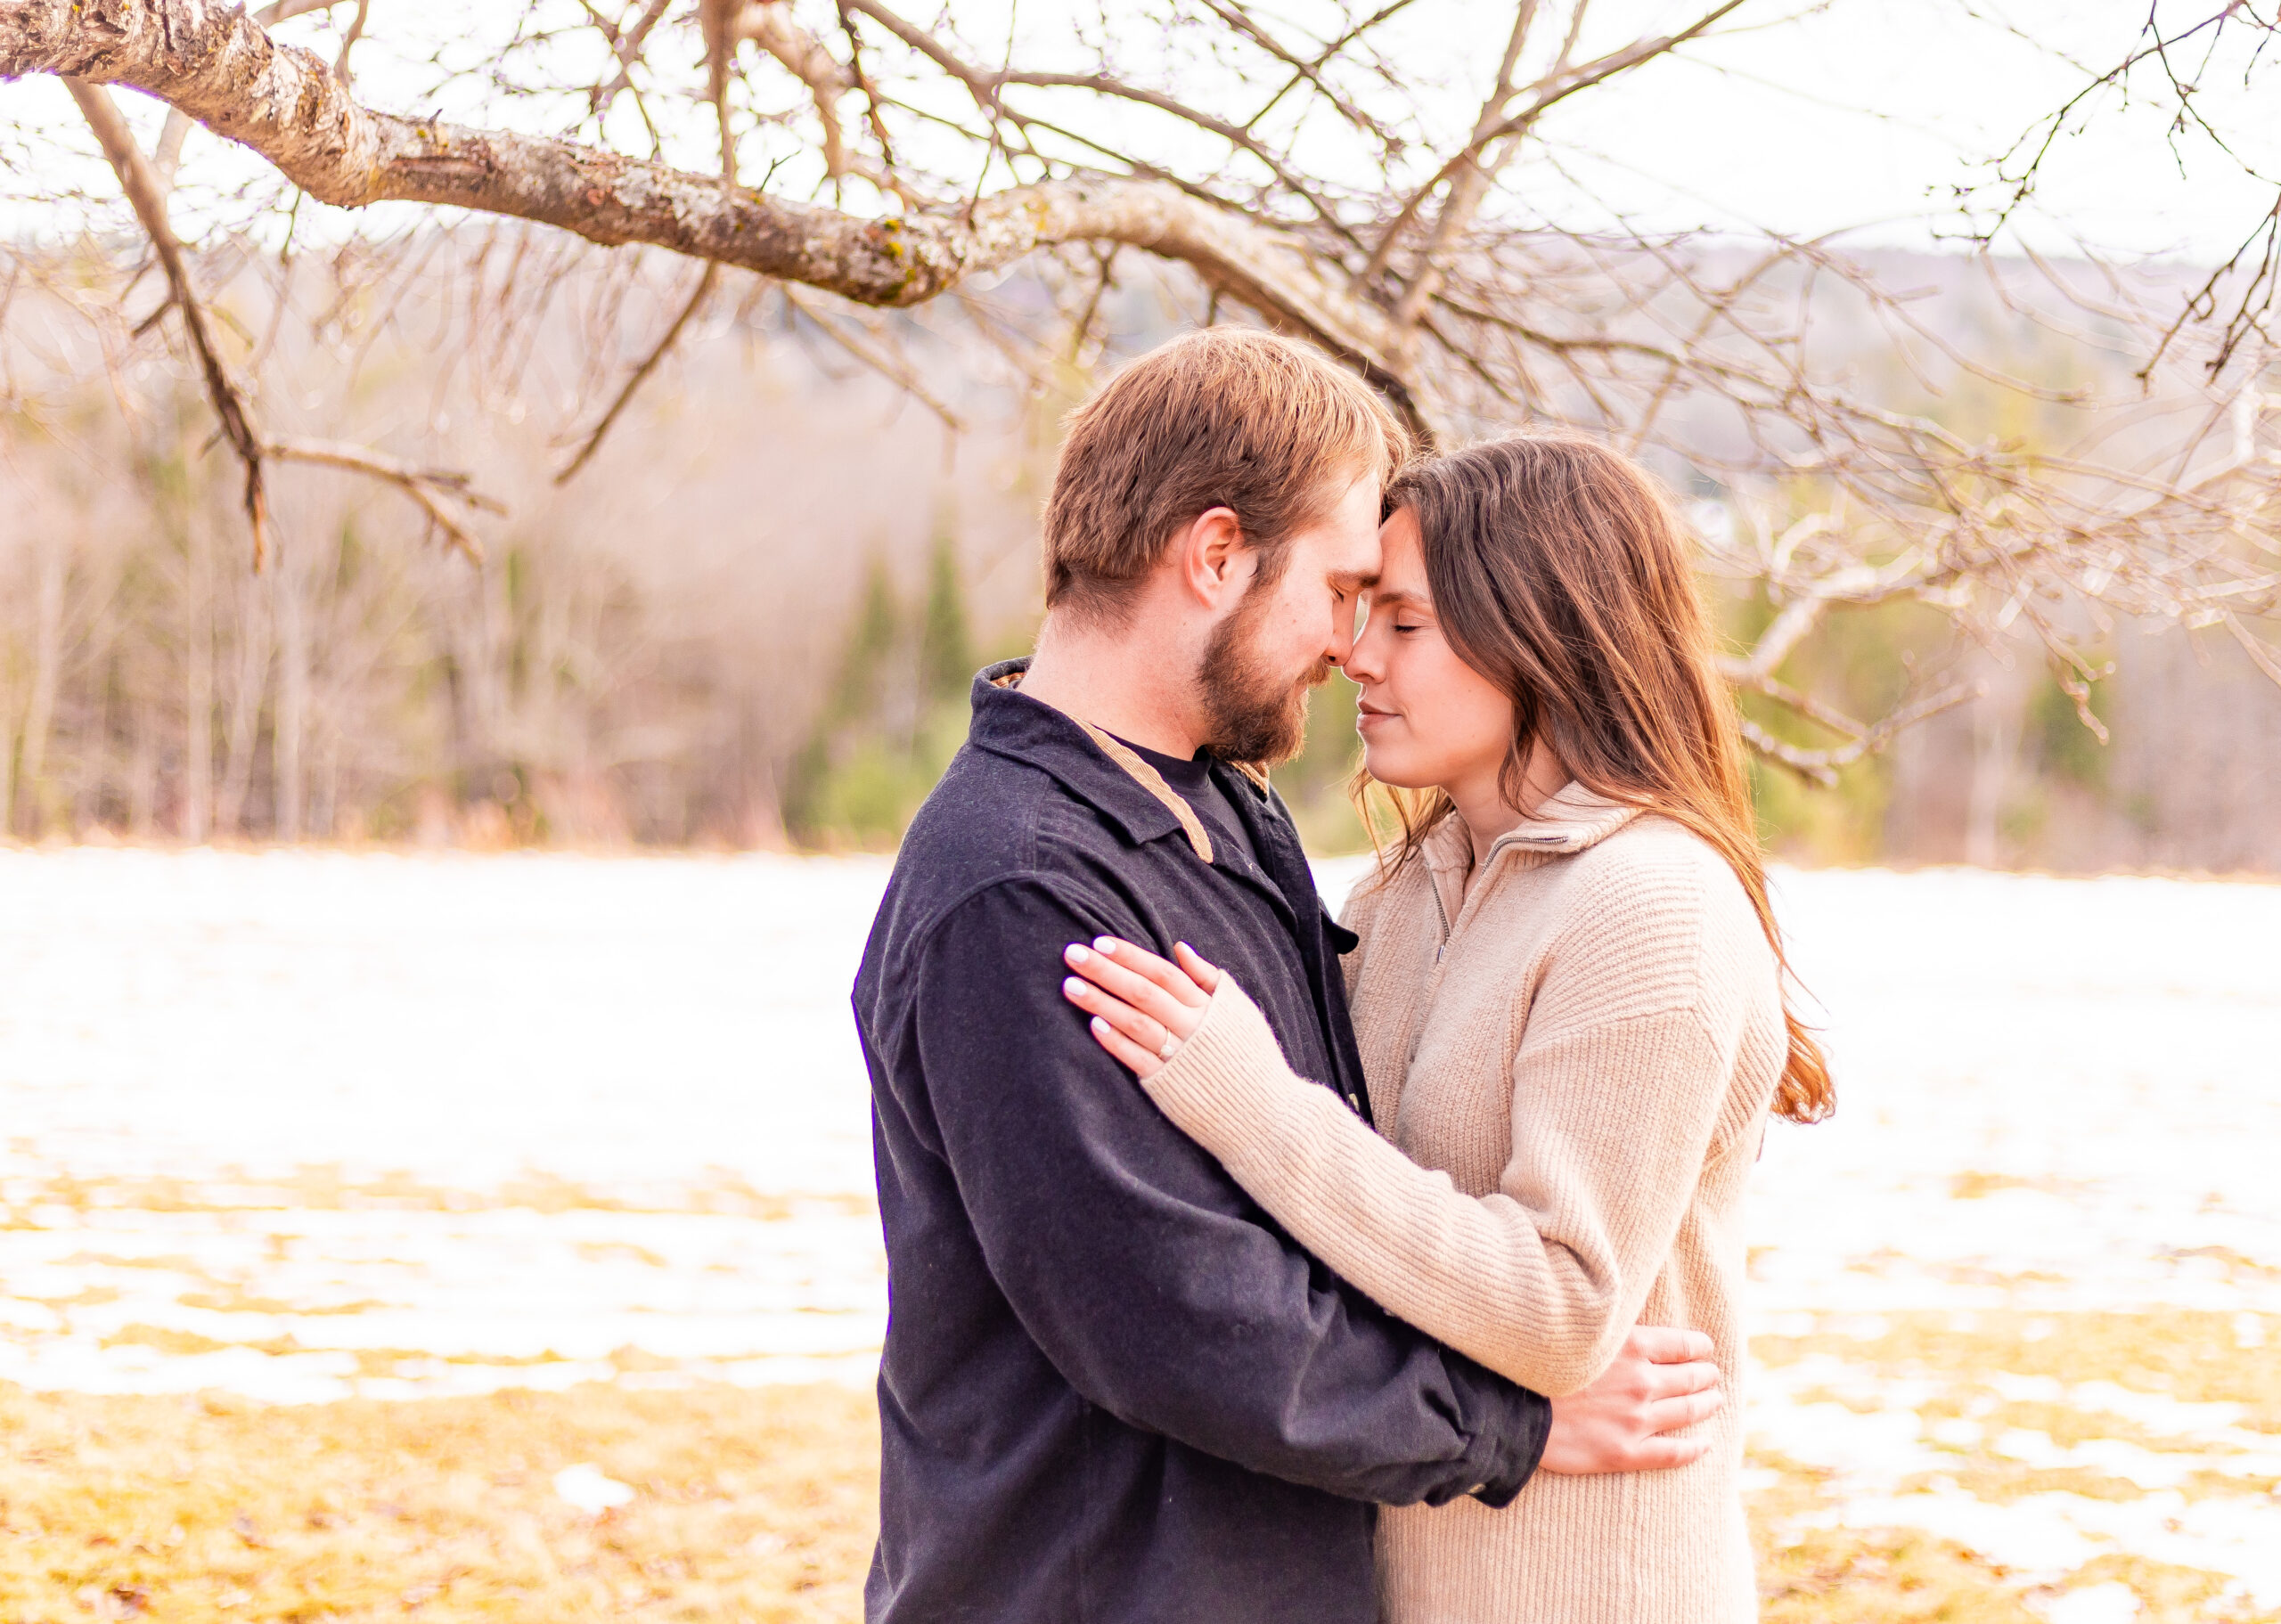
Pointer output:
x,y
1113,1390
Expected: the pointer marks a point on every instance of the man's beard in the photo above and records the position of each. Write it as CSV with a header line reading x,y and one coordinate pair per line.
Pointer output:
x,y
1252,714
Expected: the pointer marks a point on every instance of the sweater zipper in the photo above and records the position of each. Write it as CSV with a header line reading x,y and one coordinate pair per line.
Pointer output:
x,y
1433,982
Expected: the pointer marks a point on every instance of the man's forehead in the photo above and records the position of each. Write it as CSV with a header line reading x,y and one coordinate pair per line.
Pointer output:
x,y
1357,553
1352,556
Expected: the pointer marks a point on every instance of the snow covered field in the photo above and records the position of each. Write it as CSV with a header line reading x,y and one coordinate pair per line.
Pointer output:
x,y
305,1124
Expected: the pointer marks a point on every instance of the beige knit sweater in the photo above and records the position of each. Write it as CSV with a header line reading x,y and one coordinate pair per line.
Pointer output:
x,y
1571,1054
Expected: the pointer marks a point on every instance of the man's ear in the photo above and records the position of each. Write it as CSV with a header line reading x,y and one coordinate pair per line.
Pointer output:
x,y
1210,553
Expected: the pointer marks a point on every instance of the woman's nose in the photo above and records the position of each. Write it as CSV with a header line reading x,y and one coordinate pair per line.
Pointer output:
x,y
1361,664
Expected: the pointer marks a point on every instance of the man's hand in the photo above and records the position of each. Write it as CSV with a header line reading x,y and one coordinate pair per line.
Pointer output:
x,y
1662,1382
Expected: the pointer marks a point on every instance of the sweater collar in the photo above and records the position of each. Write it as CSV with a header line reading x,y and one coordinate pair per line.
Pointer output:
x,y
1575,819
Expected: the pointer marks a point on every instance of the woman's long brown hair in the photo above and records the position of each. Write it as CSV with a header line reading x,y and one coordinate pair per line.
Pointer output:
x,y
1561,573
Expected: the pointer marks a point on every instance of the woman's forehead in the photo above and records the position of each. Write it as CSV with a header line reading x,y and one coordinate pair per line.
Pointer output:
x,y
1402,573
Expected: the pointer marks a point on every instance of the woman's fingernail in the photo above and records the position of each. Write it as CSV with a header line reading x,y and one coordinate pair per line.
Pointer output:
x,y
1076,988
1105,944
1076,953
1101,1027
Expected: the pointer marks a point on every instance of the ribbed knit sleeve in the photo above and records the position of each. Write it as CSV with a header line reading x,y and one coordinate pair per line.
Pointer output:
x,y
1619,1085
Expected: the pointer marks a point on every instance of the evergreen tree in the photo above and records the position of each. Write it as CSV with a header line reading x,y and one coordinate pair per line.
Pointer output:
x,y
894,716
945,638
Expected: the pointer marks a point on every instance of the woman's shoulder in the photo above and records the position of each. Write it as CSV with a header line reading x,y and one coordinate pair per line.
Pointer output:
x,y
1656,894
1652,856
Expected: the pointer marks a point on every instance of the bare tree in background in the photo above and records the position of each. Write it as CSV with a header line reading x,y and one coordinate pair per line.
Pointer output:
x,y
2181,54
876,159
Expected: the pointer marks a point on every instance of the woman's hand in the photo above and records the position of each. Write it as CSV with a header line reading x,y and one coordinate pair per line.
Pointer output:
x,y
1143,1009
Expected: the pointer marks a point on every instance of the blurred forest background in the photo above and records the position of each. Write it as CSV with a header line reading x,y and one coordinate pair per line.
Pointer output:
x,y
753,623
687,525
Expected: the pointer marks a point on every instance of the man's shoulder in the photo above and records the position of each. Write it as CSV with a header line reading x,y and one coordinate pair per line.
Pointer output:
x,y
995,817
993,826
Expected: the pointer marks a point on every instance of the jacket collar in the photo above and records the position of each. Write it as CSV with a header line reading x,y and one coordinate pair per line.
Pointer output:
x,y
1573,820
1010,723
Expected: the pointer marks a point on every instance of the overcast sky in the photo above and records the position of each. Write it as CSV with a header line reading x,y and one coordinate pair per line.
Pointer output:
x,y
1855,115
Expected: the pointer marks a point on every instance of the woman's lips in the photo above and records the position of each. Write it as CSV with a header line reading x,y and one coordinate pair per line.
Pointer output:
x,y
1364,716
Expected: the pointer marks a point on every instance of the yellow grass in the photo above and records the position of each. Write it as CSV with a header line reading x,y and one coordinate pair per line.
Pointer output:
x,y
759,1504
752,1505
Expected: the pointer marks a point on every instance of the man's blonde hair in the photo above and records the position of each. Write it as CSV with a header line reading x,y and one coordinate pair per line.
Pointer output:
x,y
1229,417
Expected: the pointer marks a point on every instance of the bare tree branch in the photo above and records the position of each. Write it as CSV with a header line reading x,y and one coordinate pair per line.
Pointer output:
x,y
147,194
1468,185
627,48
289,106
986,86
1821,767
434,490
1549,95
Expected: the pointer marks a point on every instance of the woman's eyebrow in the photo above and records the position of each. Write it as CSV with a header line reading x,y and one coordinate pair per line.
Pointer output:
x,y
1390,596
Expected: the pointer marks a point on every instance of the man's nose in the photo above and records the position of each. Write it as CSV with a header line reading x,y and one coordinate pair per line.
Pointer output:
x,y
1355,661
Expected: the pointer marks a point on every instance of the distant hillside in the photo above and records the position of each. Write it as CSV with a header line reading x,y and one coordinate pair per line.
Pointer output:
x,y
751,610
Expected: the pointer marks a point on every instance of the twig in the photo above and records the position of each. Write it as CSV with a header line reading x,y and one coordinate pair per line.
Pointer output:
x,y
1582,78
347,40
888,366
1821,766
697,297
435,489
628,47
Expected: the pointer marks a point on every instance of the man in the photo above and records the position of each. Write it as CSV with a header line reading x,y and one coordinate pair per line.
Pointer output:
x,y
1112,1388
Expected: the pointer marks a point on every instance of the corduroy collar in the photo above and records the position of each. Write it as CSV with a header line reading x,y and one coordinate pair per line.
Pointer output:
x,y
1009,722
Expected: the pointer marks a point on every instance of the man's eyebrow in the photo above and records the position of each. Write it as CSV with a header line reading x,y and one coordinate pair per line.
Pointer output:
x,y
1354,580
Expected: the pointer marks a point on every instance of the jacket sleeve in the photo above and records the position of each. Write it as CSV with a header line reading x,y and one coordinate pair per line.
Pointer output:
x,y
1156,1286
1541,1280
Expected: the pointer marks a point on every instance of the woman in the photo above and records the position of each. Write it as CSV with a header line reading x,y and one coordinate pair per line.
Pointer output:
x,y
1568,996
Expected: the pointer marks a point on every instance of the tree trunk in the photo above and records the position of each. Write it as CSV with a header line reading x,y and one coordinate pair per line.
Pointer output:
x,y
249,688
293,703
47,663
7,748
1992,741
194,822
143,767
